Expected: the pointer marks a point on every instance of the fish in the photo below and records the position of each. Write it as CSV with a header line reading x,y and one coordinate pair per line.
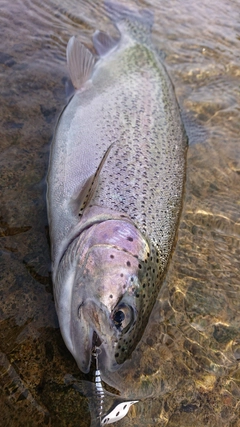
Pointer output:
x,y
114,189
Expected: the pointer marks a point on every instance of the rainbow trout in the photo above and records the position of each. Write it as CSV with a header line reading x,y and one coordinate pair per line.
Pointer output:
x,y
115,186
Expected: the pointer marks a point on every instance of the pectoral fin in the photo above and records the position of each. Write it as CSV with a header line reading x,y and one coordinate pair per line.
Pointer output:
x,y
80,202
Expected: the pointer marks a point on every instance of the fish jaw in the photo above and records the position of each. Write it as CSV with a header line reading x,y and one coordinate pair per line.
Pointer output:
x,y
92,317
80,317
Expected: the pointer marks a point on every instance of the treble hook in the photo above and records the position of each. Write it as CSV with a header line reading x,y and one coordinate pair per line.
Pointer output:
x,y
98,381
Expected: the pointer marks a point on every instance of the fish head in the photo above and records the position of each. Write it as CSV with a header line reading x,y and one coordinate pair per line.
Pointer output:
x,y
111,297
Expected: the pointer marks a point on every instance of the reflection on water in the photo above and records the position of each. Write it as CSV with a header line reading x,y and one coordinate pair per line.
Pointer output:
x,y
185,370
105,407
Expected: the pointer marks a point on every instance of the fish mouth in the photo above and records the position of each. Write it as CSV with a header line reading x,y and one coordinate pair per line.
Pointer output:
x,y
96,341
91,329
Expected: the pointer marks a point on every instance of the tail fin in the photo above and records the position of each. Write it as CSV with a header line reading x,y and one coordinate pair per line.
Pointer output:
x,y
80,62
138,22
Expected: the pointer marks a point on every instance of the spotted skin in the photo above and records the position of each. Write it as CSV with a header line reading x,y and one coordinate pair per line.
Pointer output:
x,y
122,136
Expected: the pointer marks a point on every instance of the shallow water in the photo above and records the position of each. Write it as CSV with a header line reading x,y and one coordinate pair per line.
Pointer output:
x,y
186,368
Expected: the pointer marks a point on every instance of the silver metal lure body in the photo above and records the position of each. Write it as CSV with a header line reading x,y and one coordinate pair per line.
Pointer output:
x,y
115,186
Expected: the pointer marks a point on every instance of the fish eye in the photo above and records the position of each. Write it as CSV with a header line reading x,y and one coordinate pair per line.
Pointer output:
x,y
123,317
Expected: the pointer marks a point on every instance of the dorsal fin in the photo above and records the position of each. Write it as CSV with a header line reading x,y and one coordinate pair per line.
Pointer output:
x,y
80,62
103,43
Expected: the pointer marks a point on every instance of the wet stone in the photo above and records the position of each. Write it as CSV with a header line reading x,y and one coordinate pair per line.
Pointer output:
x,y
189,407
7,59
13,125
48,113
224,334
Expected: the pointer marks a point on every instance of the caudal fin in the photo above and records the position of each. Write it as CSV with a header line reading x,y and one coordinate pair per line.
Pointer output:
x,y
80,62
103,43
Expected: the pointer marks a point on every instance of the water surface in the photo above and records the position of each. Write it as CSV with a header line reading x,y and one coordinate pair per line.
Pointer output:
x,y
186,368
